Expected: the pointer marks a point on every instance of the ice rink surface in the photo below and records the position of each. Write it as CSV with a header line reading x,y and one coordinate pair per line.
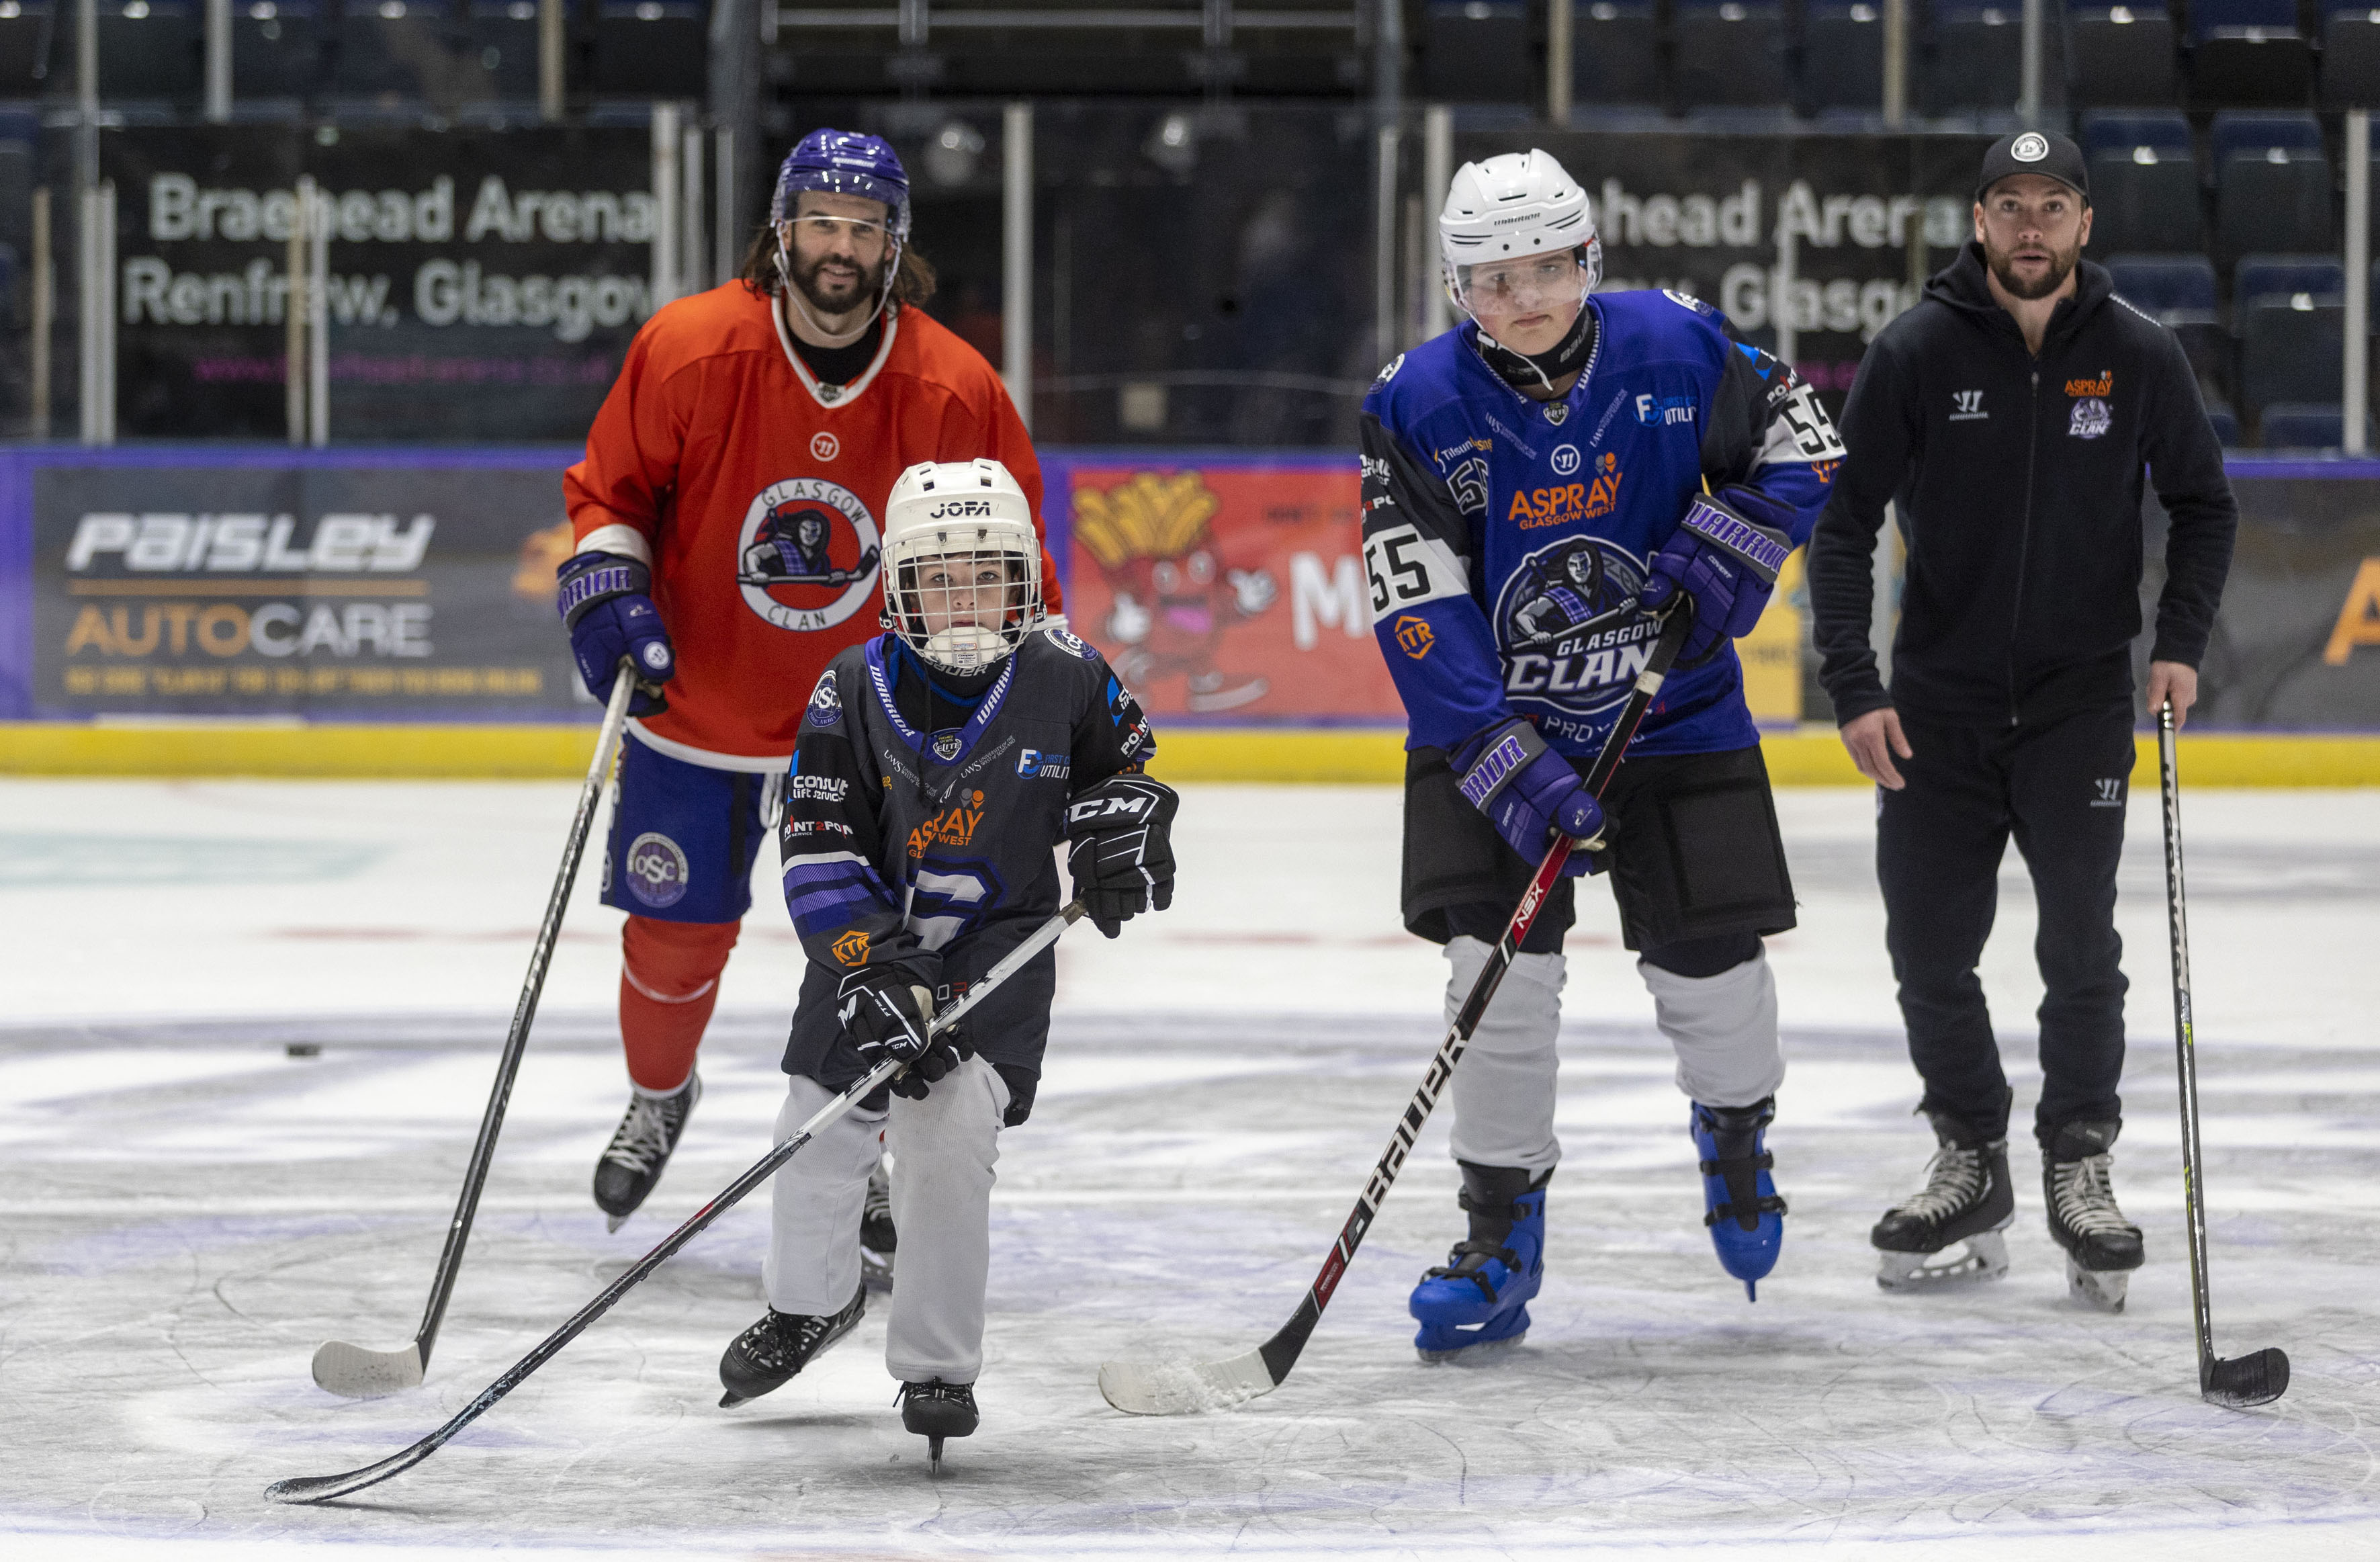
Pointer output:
x,y
191,1209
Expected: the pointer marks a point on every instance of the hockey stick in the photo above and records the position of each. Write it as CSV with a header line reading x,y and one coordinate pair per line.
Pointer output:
x,y
322,1488
1151,1388
2239,1381
355,1370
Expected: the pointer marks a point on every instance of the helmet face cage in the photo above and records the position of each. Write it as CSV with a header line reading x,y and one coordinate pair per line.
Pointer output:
x,y
964,596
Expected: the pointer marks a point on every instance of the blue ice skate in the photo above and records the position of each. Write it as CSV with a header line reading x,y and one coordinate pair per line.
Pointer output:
x,y
1745,1216
1480,1297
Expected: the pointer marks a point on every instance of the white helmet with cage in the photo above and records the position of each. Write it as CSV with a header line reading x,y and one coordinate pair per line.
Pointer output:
x,y
1507,220
961,564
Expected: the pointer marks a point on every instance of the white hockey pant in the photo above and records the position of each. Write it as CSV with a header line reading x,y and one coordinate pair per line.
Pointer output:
x,y
944,1147
1723,1028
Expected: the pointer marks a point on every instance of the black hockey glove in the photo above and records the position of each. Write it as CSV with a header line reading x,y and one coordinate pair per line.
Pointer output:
x,y
884,1009
1121,858
947,1051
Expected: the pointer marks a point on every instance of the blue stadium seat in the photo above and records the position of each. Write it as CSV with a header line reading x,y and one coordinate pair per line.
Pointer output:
x,y
1730,54
1976,58
2248,52
1616,54
33,58
2289,315
148,51
276,49
2272,184
2145,187
2350,55
2119,55
2307,425
2180,291
662,48
1842,55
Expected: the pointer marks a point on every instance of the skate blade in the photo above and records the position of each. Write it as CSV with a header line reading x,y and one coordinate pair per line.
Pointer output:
x,y
1484,1351
876,1270
933,1456
1981,1257
2100,1288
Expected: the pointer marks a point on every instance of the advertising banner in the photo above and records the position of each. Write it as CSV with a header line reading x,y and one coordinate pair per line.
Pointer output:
x,y
483,285
374,592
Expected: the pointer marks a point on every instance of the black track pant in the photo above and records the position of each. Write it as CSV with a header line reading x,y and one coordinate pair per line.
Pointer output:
x,y
2058,788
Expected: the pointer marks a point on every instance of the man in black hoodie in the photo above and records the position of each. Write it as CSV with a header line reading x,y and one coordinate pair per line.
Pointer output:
x,y
2009,416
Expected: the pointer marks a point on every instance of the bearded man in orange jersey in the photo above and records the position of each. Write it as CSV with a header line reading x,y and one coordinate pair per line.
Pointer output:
x,y
727,518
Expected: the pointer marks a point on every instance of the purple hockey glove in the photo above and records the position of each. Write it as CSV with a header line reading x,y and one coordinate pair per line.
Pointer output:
x,y
1527,791
1725,555
606,603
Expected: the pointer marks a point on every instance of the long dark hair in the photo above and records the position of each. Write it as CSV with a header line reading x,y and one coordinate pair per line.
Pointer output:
x,y
912,283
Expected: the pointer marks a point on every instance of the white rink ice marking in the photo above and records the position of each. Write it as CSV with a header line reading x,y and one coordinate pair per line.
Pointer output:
x,y
190,1210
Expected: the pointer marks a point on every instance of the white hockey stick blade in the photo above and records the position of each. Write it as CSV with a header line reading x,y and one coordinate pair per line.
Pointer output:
x,y
355,1373
1177,1388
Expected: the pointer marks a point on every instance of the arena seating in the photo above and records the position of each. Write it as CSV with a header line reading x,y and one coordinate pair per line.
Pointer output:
x,y
1732,54
1616,54
2248,52
148,51
2119,55
2144,186
2272,186
2289,313
662,48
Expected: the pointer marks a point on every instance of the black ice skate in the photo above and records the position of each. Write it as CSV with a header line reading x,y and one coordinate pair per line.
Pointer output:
x,y
938,1409
633,1162
877,1237
2102,1246
1966,1200
765,1355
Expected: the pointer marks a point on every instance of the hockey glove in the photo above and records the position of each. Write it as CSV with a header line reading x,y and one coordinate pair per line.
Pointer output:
x,y
947,1052
1725,555
607,605
1121,858
1527,791
884,1009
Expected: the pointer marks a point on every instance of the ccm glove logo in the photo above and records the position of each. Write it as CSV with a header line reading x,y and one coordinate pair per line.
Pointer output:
x,y
1113,806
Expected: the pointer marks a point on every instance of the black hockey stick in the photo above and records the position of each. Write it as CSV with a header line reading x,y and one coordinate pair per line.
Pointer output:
x,y
322,1488
2239,1381
355,1370
1153,1389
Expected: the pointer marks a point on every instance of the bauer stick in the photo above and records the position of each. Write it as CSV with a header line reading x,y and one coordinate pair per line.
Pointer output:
x,y
322,1488
2241,1380
355,1370
1149,1389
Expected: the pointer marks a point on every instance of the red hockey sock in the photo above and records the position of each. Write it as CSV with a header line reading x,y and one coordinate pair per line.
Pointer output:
x,y
669,983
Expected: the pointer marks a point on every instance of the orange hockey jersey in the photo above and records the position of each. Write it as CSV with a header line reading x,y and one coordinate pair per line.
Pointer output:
x,y
757,496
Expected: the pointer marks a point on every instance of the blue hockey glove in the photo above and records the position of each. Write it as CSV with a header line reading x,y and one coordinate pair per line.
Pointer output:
x,y
1527,791
1122,855
1725,555
884,1009
607,605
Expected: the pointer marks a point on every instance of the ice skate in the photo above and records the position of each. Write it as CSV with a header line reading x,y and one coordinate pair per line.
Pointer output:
x,y
1476,1304
765,1355
1745,1216
2102,1246
938,1409
877,1236
1948,1233
632,1164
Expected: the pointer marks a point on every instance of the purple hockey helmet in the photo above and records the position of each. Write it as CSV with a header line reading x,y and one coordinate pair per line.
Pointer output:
x,y
846,163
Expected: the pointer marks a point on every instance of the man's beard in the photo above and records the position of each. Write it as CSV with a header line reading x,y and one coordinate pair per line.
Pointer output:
x,y
2062,266
806,277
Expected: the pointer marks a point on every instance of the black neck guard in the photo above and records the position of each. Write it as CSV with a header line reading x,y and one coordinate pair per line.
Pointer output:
x,y
1527,372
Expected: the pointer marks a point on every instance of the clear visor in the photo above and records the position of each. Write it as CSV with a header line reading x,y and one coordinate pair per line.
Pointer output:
x,y
820,228
963,611
1522,284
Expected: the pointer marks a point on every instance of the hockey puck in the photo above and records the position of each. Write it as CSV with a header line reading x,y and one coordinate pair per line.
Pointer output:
x,y
305,1049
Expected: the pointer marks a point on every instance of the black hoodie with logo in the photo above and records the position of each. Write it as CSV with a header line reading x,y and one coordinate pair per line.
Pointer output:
x,y
2017,485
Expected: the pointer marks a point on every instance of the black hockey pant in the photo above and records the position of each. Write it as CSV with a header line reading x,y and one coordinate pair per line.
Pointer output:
x,y
2058,788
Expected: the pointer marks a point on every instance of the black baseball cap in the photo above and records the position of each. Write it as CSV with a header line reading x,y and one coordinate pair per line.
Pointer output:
x,y
2035,152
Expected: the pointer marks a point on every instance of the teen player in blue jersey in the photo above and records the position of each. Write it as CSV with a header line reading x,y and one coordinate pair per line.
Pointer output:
x,y
1535,480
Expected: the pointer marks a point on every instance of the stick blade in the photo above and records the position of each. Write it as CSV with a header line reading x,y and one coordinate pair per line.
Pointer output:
x,y
322,1488
354,1372
2241,1381
1174,1388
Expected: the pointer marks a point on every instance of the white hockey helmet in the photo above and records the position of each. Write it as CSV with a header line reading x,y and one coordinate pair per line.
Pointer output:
x,y
1509,207
961,564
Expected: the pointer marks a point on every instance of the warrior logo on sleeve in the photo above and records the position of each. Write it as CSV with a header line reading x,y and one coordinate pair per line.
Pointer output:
x,y
807,554
1573,636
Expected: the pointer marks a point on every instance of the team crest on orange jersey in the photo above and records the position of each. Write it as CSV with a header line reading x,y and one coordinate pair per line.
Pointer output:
x,y
807,554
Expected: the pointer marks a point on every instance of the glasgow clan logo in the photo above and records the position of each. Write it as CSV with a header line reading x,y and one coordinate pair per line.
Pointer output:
x,y
806,555
1573,638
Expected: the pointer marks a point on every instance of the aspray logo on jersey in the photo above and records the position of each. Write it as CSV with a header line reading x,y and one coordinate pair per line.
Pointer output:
x,y
2104,385
656,871
2091,418
1414,637
826,701
1664,411
1573,639
953,827
1565,502
852,948
1034,766
807,555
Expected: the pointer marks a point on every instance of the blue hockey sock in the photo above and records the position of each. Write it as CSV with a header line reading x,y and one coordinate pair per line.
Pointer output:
x,y
1745,1216
1480,1295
